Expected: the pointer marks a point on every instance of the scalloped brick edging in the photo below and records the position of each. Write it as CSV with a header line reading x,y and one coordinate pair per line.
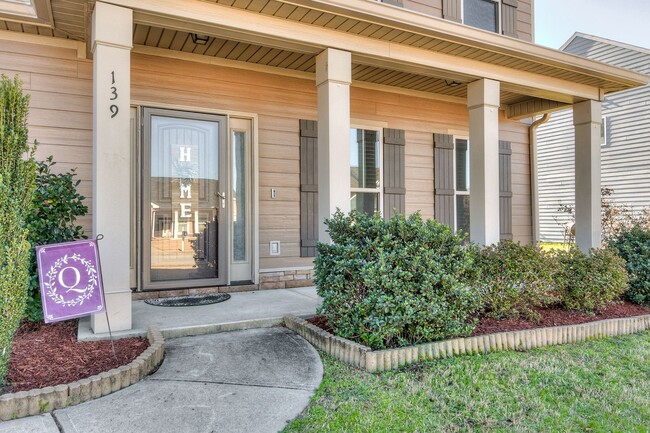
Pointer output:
x,y
38,401
365,358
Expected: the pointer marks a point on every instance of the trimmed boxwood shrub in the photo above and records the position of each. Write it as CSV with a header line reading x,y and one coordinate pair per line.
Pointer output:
x,y
395,283
589,282
633,245
514,280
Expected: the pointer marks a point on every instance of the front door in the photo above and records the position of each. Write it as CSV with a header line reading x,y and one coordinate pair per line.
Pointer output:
x,y
184,206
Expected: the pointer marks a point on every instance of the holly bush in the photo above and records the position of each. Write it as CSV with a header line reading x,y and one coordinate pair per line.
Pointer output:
x,y
56,207
395,283
633,245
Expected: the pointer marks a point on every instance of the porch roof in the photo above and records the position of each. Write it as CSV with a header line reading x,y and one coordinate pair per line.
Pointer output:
x,y
391,47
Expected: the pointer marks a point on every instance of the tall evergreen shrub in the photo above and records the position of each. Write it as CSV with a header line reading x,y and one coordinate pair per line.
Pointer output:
x,y
17,183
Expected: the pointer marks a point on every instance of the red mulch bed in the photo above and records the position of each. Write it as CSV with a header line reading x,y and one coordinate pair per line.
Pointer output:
x,y
47,355
549,317
558,317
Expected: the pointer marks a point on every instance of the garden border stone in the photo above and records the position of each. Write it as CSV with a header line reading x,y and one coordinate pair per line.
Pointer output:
x,y
38,401
373,361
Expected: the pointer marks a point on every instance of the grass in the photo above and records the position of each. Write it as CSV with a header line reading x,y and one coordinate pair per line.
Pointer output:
x,y
596,386
548,246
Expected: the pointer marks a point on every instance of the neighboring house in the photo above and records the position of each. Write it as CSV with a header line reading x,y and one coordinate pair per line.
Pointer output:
x,y
214,137
625,140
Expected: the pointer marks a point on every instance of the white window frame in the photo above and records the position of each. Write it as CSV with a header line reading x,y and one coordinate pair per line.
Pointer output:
x,y
469,183
380,189
499,24
603,130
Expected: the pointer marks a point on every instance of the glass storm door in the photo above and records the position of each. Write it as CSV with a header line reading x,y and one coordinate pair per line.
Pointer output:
x,y
184,208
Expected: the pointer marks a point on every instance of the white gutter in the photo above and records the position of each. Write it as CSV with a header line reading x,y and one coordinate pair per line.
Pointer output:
x,y
534,186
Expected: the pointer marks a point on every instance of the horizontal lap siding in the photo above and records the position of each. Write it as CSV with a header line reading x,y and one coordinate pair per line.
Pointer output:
x,y
525,20
60,115
429,7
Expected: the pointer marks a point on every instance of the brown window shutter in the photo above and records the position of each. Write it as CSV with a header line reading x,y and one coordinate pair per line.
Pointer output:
x,y
308,187
505,189
394,173
451,10
509,18
444,178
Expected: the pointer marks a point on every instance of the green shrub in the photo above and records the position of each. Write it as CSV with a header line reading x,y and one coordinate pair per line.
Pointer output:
x,y
589,282
17,174
633,246
394,283
514,280
57,205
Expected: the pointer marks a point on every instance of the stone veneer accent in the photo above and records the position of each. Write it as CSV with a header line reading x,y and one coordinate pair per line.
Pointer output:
x,y
383,360
38,401
286,279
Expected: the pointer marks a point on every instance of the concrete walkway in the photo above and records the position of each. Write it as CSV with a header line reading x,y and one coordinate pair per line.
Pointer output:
x,y
251,381
243,310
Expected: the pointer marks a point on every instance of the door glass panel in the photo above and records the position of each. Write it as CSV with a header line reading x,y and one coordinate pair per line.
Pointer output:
x,y
185,198
239,207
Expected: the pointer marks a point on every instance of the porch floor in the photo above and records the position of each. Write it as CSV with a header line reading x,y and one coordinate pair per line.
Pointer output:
x,y
244,310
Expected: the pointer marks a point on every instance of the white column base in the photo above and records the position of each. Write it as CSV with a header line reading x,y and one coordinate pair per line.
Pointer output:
x,y
118,306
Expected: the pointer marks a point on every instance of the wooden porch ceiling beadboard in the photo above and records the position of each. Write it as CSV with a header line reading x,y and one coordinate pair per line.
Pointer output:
x,y
285,10
168,39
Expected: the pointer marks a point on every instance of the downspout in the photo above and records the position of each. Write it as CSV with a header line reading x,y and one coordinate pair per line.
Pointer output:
x,y
534,187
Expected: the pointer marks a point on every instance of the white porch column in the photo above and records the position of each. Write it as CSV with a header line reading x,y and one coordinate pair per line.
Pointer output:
x,y
483,100
333,77
111,46
587,117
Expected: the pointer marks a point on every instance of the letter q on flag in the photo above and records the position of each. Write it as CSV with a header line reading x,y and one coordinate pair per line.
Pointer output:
x,y
70,279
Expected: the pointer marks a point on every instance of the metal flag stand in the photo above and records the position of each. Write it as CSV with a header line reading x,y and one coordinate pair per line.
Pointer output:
x,y
98,238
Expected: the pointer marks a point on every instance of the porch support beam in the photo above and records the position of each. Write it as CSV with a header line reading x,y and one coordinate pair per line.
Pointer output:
x,y
111,45
483,101
333,78
587,117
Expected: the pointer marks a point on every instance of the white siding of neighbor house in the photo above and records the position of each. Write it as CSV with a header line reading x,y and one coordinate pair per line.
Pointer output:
x,y
626,154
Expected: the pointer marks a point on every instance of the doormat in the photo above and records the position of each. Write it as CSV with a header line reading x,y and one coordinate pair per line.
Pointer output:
x,y
188,301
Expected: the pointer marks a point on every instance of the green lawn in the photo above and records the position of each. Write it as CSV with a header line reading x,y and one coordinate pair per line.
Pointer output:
x,y
597,386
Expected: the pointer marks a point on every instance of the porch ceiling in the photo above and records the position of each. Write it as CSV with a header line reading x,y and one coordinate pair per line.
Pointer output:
x,y
161,24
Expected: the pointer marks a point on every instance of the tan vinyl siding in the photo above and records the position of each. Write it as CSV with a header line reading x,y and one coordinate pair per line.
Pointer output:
x,y
429,7
525,19
60,115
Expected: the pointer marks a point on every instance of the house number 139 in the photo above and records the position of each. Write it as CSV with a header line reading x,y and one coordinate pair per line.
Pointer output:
x,y
114,109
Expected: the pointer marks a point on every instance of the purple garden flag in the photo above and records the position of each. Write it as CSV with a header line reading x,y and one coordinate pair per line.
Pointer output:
x,y
70,280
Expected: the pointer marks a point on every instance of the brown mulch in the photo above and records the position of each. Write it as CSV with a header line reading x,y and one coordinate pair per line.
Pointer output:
x,y
558,317
549,317
47,355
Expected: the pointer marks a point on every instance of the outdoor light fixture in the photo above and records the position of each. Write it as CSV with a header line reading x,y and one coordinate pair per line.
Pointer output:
x,y
452,83
199,39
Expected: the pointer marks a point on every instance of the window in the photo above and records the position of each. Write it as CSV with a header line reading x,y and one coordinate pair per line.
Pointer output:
x,y
603,131
461,165
365,170
482,14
